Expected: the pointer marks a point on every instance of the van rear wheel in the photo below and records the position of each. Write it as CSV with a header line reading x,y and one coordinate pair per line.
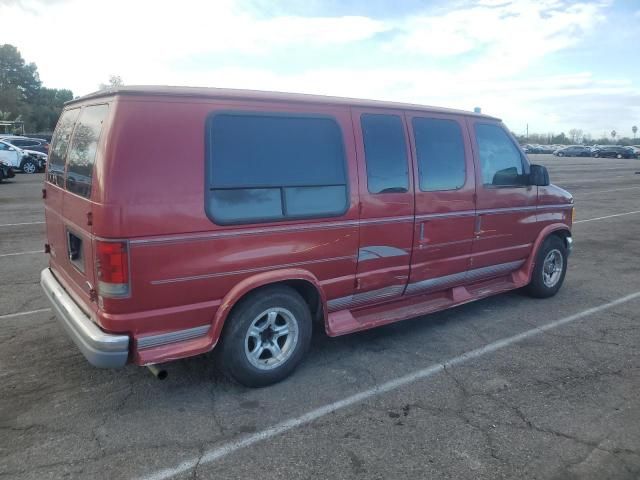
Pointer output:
x,y
266,336
550,268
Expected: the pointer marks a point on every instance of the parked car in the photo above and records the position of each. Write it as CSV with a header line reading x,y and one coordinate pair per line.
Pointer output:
x,y
532,149
26,143
290,209
573,151
25,160
5,171
547,149
634,150
613,151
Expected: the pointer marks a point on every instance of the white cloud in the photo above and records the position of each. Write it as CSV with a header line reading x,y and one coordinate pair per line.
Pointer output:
x,y
78,43
507,35
82,42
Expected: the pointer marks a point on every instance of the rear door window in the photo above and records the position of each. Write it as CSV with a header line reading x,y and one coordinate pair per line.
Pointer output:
x,y
385,153
440,153
84,145
60,145
268,167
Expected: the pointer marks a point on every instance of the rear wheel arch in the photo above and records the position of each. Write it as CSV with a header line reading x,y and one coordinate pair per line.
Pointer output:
x,y
302,282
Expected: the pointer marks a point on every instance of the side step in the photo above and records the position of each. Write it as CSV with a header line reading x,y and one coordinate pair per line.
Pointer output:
x,y
405,307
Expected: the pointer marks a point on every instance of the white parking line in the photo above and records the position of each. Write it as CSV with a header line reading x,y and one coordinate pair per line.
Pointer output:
x,y
214,454
18,224
607,216
20,314
20,253
607,191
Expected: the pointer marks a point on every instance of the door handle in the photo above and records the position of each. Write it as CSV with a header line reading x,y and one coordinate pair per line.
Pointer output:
x,y
478,226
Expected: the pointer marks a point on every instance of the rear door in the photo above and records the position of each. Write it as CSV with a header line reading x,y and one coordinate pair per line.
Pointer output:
x,y
76,146
445,202
386,205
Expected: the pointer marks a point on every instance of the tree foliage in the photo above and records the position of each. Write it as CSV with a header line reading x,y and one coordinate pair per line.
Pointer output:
x,y
114,81
22,95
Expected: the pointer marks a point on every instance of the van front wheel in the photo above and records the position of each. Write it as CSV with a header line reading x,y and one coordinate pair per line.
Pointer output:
x,y
550,268
266,337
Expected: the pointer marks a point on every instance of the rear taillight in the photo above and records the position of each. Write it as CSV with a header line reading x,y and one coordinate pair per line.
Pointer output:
x,y
112,268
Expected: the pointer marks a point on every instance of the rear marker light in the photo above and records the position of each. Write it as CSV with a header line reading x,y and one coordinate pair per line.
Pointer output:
x,y
112,268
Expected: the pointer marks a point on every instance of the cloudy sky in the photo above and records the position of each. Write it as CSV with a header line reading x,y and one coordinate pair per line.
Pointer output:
x,y
553,64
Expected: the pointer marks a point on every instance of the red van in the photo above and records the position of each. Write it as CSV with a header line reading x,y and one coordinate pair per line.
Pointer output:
x,y
183,219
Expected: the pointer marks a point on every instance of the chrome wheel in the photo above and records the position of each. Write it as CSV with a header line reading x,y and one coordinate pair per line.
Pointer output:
x,y
271,338
552,268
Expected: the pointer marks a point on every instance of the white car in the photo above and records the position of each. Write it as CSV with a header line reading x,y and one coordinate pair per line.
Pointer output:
x,y
28,161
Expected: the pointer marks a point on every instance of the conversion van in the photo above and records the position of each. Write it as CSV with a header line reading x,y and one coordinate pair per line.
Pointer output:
x,y
273,211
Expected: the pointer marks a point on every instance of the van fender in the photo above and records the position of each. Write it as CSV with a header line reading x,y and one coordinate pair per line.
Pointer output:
x,y
527,268
260,280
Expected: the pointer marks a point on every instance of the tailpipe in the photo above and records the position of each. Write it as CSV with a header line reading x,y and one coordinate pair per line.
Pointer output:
x,y
158,372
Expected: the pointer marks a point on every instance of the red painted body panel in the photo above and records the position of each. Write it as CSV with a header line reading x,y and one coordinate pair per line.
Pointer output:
x,y
375,271
443,231
188,272
506,223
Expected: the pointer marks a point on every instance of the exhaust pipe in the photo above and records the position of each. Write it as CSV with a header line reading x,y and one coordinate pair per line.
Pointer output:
x,y
159,373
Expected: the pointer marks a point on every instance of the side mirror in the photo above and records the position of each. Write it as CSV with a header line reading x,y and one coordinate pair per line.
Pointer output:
x,y
539,176
12,149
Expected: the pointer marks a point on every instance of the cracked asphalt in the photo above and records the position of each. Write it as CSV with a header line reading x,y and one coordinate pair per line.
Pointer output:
x,y
563,404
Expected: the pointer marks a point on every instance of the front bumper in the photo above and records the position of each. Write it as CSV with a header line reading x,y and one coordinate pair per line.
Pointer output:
x,y
101,349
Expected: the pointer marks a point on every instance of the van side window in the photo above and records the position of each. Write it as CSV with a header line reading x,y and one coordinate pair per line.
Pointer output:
x,y
82,153
500,160
440,153
59,146
268,167
385,153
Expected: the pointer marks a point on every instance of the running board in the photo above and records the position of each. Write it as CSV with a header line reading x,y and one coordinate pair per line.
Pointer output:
x,y
405,307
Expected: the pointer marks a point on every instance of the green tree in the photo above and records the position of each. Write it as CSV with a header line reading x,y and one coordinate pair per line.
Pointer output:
x,y
22,94
634,129
114,81
19,81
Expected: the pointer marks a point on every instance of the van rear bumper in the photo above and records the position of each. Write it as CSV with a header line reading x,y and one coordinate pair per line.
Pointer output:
x,y
101,349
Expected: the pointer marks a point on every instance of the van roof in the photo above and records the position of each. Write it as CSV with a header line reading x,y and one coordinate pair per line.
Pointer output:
x,y
238,94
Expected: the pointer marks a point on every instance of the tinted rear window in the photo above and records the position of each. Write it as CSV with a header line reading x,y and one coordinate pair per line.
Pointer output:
x,y
274,167
84,145
385,153
60,145
440,152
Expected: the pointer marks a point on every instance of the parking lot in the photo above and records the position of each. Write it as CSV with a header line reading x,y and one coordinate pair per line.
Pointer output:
x,y
508,387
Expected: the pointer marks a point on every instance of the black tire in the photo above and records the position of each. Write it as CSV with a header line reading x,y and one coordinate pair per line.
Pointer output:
x,y
29,166
561,154
538,287
596,155
233,352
